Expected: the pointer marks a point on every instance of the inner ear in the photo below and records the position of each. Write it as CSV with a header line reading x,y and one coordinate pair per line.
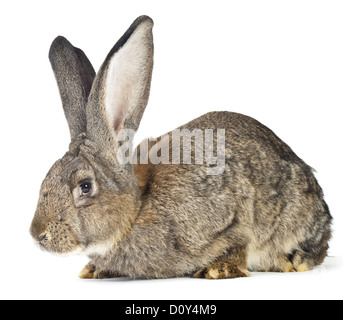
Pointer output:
x,y
128,79
118,122
121,88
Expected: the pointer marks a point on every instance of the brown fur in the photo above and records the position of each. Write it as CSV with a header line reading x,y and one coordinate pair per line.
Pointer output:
x,y
266,212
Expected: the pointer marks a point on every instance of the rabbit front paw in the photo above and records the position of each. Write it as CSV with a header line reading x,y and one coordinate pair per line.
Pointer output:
x,y
91,272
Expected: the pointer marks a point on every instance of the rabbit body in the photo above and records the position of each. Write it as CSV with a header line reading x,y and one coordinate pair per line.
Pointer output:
x,y
265,212
267,209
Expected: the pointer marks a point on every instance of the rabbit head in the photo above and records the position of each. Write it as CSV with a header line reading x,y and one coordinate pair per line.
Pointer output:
x,y
88,197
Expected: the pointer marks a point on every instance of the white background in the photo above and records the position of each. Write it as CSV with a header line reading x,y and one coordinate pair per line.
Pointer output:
x,y
278,61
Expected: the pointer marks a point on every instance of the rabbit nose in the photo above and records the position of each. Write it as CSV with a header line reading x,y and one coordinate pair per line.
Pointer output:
x,y
42,238
37,231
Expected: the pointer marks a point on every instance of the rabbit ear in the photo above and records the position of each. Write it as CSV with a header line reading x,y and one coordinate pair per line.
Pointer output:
x,y
74,75
121,89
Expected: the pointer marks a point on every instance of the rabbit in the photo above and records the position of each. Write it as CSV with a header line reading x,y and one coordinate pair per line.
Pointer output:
x,y
264,212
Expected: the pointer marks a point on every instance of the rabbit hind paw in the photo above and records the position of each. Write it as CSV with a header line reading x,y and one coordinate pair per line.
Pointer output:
x,y
222,270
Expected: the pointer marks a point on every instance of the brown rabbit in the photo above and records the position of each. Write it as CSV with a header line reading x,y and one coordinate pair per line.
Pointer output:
x,y
263,212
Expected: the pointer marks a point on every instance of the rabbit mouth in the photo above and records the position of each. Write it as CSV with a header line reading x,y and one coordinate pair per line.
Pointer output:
x,y
58,248
61,243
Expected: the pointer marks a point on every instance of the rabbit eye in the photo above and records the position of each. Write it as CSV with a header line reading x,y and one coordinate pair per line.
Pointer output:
x,y
85,188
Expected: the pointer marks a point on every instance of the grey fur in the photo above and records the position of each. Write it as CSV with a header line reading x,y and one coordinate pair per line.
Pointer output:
x,y
74,75
265,213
